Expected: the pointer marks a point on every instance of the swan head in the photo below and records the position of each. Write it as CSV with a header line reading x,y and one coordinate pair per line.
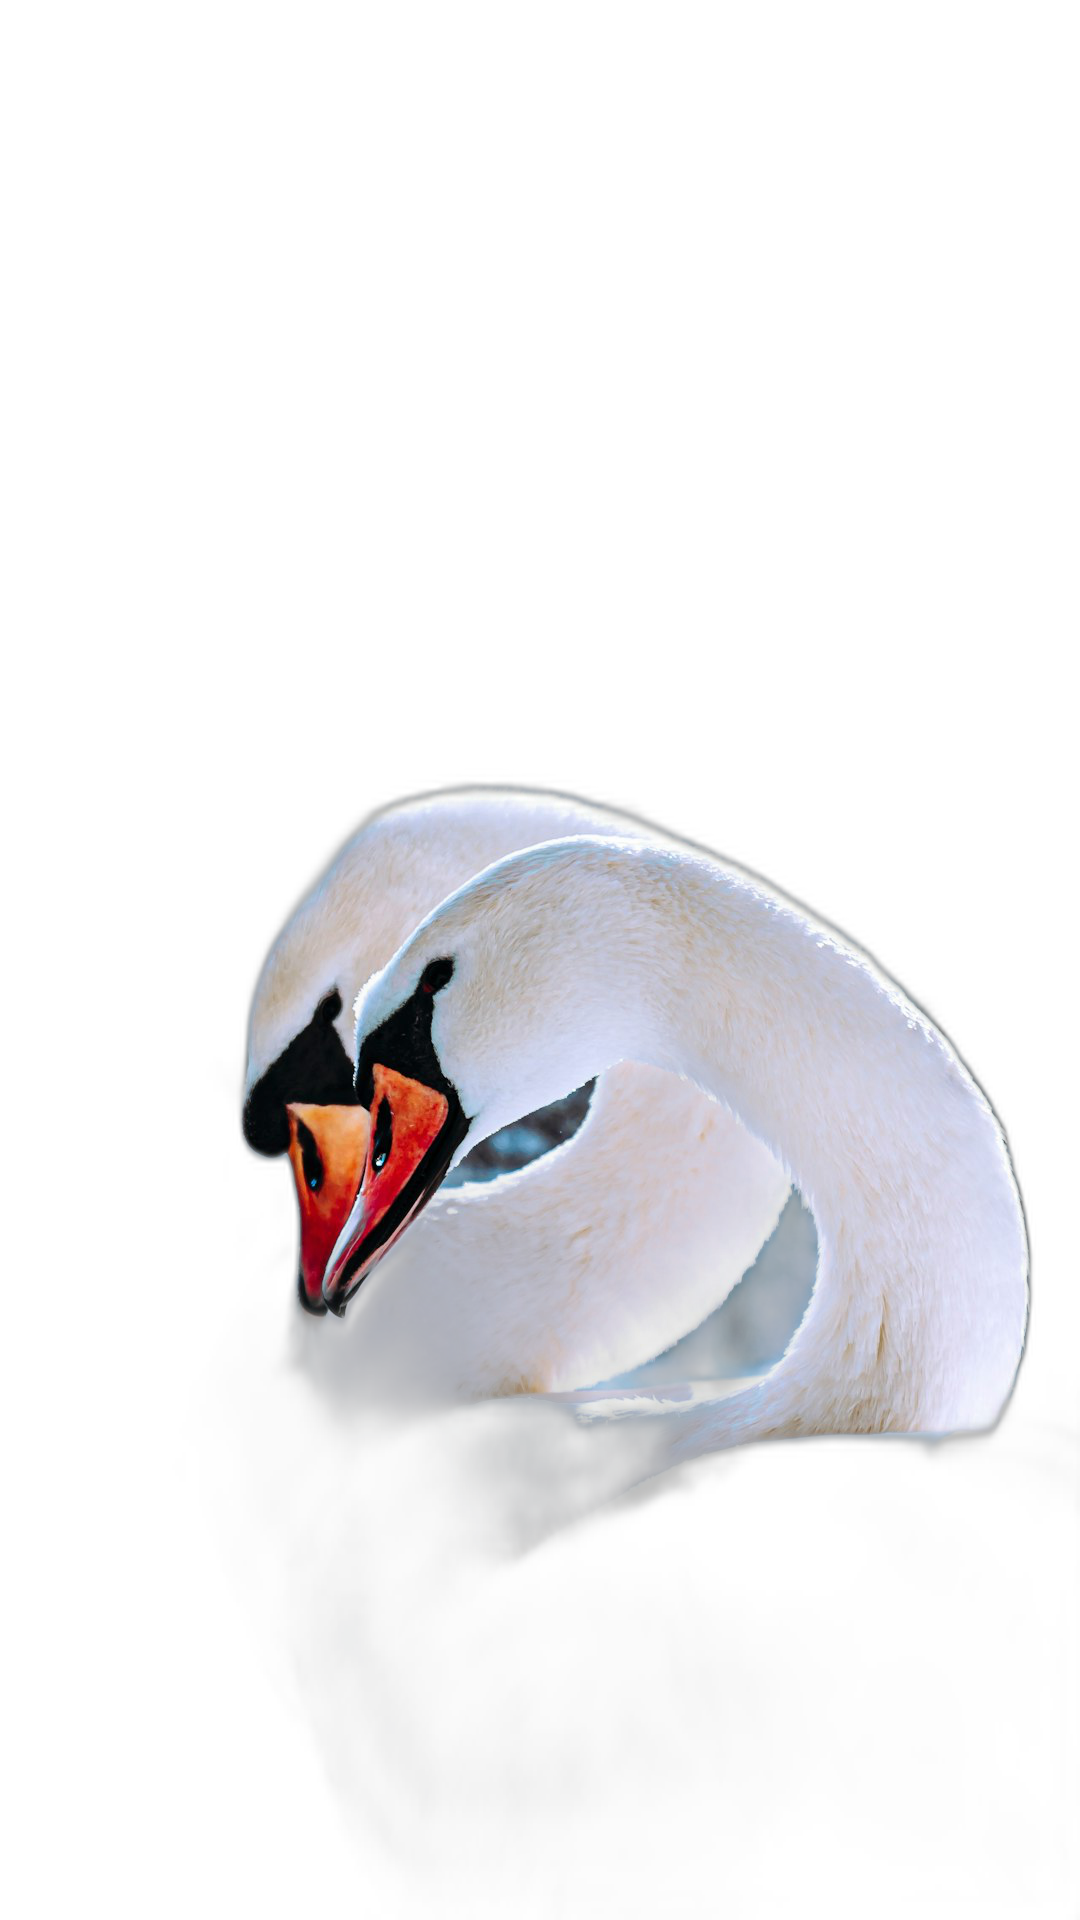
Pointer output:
x,y
303,1104
352,921
502,1001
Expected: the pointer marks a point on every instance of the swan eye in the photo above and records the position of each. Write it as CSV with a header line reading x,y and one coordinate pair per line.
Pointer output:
x,y
383,1136
309,1156
435,975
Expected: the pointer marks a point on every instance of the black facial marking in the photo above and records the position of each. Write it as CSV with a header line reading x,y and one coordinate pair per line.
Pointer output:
x,y
309,1305
314,1067
435,975
404,1043
310,1157
383,1136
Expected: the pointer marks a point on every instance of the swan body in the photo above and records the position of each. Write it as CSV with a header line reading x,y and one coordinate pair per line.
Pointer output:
x,y
863,1600
550,1278
560,961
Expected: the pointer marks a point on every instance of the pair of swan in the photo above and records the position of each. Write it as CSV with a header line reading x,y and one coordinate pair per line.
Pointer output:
x,y
569,958
549,1278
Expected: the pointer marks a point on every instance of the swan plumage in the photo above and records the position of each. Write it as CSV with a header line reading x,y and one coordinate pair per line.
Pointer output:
x,y
547,1278
792,1607
572,956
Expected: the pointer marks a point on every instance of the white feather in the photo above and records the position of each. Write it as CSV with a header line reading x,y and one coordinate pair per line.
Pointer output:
x,y
572,956
557,1276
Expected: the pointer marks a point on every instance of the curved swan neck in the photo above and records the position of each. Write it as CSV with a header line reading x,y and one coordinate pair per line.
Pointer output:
x,y
920,1305
555,1277
385,877
919,1309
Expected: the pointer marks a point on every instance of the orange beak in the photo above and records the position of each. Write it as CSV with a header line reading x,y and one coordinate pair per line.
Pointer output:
x,y
413,1137
327,1150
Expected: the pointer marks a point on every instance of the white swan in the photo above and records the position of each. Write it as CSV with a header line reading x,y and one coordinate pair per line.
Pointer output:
x,y
550,1278
562,960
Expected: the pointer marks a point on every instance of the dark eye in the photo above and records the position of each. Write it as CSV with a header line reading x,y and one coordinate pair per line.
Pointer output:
x,y
309,1157
435,975
383,1137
